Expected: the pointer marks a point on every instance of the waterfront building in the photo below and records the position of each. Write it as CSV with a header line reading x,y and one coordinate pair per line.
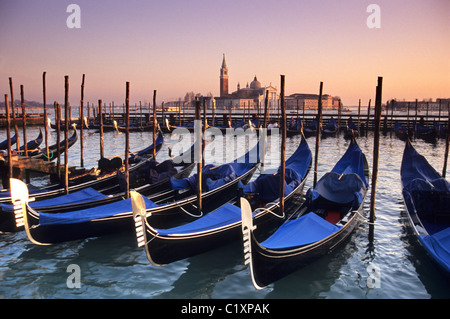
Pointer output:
x,y
251,96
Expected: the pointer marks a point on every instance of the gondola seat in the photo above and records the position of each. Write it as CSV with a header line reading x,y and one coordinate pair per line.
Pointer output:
x,y
305,230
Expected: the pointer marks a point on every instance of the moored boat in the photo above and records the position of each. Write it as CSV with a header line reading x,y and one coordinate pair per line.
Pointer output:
x,y
49,228
222,225
327,217
427,200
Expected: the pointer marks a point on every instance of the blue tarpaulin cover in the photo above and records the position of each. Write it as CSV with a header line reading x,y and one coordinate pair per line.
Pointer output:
x,y
87,194
224,215
267,186
331,126
86,215
416,166
212,176
216,176
438,245
345,182
305,230
426,192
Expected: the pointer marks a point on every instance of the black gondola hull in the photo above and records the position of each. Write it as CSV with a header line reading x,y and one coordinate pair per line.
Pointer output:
x,y
167,214
162,250
269,266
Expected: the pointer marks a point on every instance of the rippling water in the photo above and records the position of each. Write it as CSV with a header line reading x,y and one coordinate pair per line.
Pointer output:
x,y
113,266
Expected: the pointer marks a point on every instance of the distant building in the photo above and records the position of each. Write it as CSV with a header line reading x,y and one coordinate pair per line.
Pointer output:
x,y
311,101
252,96
423,105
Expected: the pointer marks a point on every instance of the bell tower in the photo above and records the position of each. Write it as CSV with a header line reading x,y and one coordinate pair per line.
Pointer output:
x,y
224,78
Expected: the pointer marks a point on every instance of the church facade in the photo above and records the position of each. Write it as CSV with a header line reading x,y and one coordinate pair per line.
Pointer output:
x,y
252,96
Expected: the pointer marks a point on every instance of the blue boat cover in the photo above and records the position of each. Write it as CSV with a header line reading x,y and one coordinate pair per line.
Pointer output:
x,y
399,127
151,172
352,161
345,182
32,190
216,176
415,166
351,125
305,230
331,125
438,246
267,186
84,195
212,176
339,189
423,185
224,215
86,215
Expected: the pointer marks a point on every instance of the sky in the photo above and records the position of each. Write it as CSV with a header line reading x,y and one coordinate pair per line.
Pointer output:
x,y
176,46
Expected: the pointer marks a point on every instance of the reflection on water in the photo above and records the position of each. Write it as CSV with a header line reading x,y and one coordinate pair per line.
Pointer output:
x,y
113,267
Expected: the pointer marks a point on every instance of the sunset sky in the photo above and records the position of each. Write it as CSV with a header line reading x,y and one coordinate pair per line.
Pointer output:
x,y
176,46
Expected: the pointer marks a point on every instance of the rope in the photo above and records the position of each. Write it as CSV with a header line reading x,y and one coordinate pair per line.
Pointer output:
x,y
364,218
192,215
263,209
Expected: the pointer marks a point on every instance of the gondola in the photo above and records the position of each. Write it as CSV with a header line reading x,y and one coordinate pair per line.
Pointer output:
x,y
53,149
351,130
152,178
294,128
330,129
310,129
401,131
427,200
33,144
107,168
326,218
221,226
86,180
49,228
89,197
441,130
425,133
4,144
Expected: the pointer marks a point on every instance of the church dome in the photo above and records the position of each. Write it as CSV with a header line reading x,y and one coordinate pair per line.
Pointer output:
x,y
255,84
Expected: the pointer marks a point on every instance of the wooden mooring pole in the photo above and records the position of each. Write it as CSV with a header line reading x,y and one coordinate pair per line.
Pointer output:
x,y
24,121
8,135
283,146
368,117
447,141
319,122
66,134
127,140
58,139
198,133
376,146
44,93
154,125
81,123
13,110
100,114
